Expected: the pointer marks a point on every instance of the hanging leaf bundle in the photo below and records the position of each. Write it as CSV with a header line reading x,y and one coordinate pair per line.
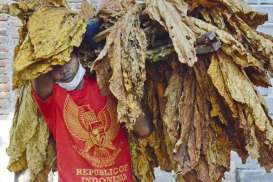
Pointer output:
x,y
49,33
200,92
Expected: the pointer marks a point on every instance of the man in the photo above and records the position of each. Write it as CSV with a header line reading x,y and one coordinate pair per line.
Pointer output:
x,y
91,143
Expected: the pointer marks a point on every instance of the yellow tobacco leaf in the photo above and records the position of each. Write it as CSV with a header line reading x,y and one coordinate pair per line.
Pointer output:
x,y
230,46
24,57
36,149
24,125
52,34
125,50
259,44
49,164
18,165
218,81
31,5
238,7
28,135
242,90
52,30
88,11
170,16
42,67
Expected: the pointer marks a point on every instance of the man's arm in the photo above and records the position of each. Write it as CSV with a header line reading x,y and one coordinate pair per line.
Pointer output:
x,y
43,85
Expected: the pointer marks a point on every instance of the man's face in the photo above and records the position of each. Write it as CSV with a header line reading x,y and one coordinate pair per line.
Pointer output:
x,y
67,72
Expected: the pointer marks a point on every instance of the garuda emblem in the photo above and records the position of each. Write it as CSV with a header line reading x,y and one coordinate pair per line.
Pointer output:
x,y
97,131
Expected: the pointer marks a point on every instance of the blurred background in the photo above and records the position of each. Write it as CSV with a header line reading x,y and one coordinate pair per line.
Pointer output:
x,y
249,172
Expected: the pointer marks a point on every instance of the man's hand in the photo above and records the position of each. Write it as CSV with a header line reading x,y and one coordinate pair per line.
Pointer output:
x,y
143,126
43,85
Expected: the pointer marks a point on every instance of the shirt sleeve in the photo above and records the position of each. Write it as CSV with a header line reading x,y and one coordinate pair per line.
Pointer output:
x,y
48,110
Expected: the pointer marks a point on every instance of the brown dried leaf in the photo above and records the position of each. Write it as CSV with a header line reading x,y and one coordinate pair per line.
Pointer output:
x,y
170,15
238,7
171,113
111,10
204,150
253,116
126,52
230,45
242,90
88,11
258,77
187,148
261,47
217,78
218,152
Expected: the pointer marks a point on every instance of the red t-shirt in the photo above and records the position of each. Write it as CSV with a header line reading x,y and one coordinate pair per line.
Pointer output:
x,y
91,144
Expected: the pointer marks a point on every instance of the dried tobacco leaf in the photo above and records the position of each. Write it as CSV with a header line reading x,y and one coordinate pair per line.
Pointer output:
x,y
160,142
32,5
171,116
230,46
261,47
111,10
125,49
258,77
218,152
217,78
66,30
88,11
200,110
253,117
52,34
169,15
203,150
229,24
242,90
49,164
215,144
238,7
112,7
36,149
28,136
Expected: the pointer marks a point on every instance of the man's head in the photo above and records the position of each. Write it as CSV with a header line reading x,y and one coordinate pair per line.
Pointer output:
x,y
66,72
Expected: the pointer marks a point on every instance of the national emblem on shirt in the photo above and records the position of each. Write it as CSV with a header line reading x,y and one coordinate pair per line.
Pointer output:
x,y
97,131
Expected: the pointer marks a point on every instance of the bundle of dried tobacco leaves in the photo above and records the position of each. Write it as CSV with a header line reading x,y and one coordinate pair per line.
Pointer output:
x,y
202,106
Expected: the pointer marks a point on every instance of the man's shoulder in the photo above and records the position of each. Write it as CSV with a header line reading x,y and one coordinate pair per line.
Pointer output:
x,y
89,79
